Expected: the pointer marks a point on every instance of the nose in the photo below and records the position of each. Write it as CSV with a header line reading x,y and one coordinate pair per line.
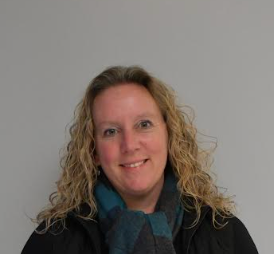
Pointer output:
x,y
129,142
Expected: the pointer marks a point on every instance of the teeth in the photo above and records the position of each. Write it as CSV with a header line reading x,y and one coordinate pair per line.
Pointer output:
x,y
133,165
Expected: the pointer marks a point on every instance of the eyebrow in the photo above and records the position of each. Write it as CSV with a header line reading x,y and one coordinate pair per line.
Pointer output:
x,y
145,115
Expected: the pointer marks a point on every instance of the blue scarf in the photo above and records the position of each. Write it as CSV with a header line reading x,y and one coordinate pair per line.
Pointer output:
x,y
128,231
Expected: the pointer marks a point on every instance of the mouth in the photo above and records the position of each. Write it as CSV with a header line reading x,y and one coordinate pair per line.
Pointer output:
x,y
134,164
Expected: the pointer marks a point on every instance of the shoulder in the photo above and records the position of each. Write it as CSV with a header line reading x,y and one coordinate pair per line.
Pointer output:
x,y
241,240
228,235
71,239
233,235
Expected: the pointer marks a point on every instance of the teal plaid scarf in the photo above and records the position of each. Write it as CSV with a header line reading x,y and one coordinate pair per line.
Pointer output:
x,y
128,231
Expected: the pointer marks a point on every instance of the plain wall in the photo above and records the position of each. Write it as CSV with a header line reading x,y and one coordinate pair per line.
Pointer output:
x,y
217,54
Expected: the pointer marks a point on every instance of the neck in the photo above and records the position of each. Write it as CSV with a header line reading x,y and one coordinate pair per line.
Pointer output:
x,y
146,206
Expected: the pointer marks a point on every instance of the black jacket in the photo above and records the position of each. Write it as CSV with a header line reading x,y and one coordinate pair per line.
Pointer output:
x,y
85,237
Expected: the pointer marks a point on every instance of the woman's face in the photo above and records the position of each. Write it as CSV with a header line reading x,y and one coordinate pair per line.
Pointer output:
x,y
131,140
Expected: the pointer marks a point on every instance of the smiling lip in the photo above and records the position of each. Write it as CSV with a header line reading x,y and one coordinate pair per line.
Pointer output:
x,y
134,164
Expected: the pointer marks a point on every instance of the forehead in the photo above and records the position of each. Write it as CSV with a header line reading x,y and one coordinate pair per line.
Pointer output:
x,y
124,101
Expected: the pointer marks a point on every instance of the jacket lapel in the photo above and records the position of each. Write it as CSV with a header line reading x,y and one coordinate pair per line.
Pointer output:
x,y
92,228
189,231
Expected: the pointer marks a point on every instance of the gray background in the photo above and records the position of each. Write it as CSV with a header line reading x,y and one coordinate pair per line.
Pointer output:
x,y
217,54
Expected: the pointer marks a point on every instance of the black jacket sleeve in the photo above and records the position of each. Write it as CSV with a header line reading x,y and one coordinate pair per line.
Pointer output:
x,y
39,243
235,238
69,240
243,242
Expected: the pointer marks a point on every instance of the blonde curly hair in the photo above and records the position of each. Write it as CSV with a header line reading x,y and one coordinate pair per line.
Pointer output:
x,y
190,162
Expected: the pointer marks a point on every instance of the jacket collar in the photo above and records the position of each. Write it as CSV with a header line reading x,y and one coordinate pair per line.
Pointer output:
x,y
188,229
91,226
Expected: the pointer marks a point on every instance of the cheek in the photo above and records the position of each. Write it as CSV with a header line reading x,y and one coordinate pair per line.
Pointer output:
x,y
107,153
161,148
158,145
158,150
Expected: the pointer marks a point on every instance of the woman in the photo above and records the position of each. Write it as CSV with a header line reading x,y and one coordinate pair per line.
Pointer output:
x,y
134,179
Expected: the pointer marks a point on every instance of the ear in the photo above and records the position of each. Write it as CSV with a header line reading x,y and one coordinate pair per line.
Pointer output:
x,y
97,160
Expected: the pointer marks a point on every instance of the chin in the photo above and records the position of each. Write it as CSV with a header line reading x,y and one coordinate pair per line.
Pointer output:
x,y
139,189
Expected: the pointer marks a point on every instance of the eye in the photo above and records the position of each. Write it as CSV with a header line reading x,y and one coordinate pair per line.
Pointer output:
x,y
110,132
145,124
